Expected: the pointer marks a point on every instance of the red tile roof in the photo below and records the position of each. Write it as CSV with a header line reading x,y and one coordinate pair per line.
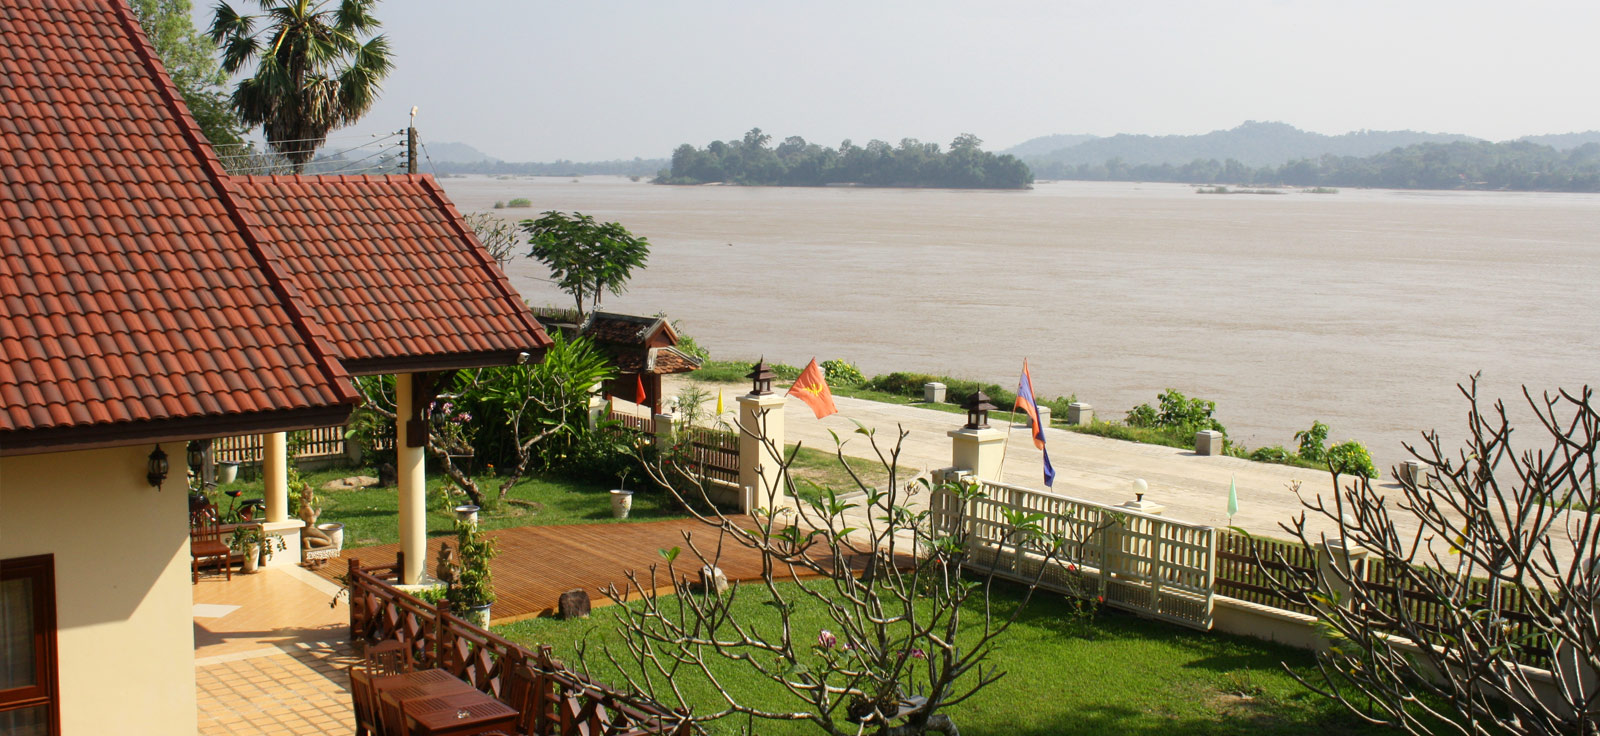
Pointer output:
x,y
131,294
143,295
390,269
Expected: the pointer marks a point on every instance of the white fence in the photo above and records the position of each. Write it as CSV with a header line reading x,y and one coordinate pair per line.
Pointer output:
x,y
1154,566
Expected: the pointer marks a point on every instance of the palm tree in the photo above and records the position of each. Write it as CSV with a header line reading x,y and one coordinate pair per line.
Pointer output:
x,y
314,73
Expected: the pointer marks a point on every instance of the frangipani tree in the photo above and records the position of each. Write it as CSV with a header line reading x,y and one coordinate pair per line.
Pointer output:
x,y
586,258
1486,618
909,626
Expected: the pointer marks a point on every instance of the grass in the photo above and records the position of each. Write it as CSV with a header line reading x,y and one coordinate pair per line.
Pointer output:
x,y
370,515
814,469
1111,673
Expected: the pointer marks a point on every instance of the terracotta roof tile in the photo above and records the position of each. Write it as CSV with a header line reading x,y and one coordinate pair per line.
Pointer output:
x,y
389,268
121,245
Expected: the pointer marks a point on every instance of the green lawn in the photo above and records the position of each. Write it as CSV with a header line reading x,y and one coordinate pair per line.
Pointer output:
x,y
370,515
1113,674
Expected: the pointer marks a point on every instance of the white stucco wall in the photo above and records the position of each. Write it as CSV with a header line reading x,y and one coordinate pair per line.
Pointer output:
x,y
124,607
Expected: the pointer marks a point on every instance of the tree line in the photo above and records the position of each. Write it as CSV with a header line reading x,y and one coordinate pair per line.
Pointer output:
x,y
1515,165
795,162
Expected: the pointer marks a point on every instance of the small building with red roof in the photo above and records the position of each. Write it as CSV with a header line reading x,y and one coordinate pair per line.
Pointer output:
x,y
150,299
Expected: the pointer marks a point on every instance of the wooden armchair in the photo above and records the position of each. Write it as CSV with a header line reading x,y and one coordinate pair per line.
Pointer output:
x,y
205,542
390,657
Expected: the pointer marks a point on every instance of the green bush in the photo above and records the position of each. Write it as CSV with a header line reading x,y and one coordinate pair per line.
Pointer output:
x,y
520,202
1351,457
842,373
1273,454
785,372
1177,413
500,205
1312,442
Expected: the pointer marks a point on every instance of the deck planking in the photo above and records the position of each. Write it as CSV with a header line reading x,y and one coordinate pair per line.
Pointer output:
x,y
537,564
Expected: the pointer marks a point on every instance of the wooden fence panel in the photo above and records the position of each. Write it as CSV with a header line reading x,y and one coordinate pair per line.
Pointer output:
x,y
1239,575
319,442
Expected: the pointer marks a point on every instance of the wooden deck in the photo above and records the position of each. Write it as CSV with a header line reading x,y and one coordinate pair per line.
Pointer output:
x,y
538,563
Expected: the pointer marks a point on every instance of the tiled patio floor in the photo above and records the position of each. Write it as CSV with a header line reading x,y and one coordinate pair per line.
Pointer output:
x,y
270,655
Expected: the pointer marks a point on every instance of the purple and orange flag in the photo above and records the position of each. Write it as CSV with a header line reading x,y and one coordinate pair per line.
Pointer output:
x,y
1030,406
812,388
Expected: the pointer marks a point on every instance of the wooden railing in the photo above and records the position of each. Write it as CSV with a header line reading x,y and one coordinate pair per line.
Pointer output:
x,y
1510,606
320,442
1152,565
560,702
1247,565
715,453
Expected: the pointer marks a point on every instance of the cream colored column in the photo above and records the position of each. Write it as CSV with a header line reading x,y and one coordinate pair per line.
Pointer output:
x,y
978,451
759,466
411,470
275,475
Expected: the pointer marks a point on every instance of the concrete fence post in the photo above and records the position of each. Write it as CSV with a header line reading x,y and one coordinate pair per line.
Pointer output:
x,y
933,392
665,428
1336,558
977,451
760,441
1208,442
1080,413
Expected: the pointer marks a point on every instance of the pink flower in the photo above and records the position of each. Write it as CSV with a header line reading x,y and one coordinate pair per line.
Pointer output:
x,y
917,653
826,639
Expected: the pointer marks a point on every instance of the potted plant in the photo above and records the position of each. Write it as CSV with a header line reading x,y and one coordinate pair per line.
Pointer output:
x,y
254,547
621,499
472,591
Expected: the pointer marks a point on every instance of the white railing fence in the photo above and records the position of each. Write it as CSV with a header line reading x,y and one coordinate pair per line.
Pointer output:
x,y
1151,565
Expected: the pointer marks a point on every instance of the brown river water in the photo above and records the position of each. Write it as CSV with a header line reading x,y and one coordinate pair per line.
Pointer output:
x,y
1361,309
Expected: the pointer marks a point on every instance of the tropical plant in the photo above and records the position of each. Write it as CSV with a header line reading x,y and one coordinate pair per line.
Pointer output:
x,y
313,73
842,373
1313,441
1351,457
473,585
1470,575
586,258
1176,413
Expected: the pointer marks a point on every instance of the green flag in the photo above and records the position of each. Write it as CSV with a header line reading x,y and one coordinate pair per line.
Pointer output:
x,y
1233,498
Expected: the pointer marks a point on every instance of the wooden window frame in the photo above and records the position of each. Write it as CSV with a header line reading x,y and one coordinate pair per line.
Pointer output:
x,y
41,569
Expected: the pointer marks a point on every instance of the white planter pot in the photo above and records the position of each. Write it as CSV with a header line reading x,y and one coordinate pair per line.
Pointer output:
x,y
621,504
478,617
335,532
227,473
467,512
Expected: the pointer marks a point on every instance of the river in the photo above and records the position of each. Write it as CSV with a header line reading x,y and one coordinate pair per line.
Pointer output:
x,y
1361,309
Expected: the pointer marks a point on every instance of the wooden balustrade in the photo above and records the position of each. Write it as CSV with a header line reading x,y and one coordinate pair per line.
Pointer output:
x,y
561,702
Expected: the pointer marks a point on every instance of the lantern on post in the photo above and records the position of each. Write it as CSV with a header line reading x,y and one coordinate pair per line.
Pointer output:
x,y
978,408
761,378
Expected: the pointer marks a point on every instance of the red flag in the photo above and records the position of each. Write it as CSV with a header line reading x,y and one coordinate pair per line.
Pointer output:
x,y
639,397
811,388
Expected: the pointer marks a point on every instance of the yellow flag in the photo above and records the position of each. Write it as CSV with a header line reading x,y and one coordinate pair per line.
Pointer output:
x,y
719,402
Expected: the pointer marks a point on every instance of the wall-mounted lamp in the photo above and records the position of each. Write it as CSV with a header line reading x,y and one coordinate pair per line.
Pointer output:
x,y
158,467
197,455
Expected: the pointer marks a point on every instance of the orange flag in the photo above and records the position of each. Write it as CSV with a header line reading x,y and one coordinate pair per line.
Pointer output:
x,y
639,397
811,388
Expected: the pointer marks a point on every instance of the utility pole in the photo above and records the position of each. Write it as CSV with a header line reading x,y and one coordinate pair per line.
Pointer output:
x,y
411,143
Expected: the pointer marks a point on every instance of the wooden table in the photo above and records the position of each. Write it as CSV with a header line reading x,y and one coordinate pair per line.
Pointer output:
x,y
439,704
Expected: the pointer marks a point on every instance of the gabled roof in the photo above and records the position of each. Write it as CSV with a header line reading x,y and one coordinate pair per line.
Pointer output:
x,y
135,301
626,329
149,296
663,361
389,268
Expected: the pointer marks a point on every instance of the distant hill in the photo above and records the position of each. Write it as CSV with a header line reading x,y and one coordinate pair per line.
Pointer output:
x,y
640,167
1254,144
456,153
1564,141
1046,144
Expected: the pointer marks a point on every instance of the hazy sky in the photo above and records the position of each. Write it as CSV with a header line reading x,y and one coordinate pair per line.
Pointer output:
x,y
538,81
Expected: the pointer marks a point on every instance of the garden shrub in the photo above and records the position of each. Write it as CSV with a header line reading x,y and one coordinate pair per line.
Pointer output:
x,y
785,372
1312,441
520,202
1176,413
1351,457
842,373
1273,454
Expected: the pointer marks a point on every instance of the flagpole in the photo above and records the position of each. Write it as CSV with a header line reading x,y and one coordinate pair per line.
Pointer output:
x,y
1011,419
